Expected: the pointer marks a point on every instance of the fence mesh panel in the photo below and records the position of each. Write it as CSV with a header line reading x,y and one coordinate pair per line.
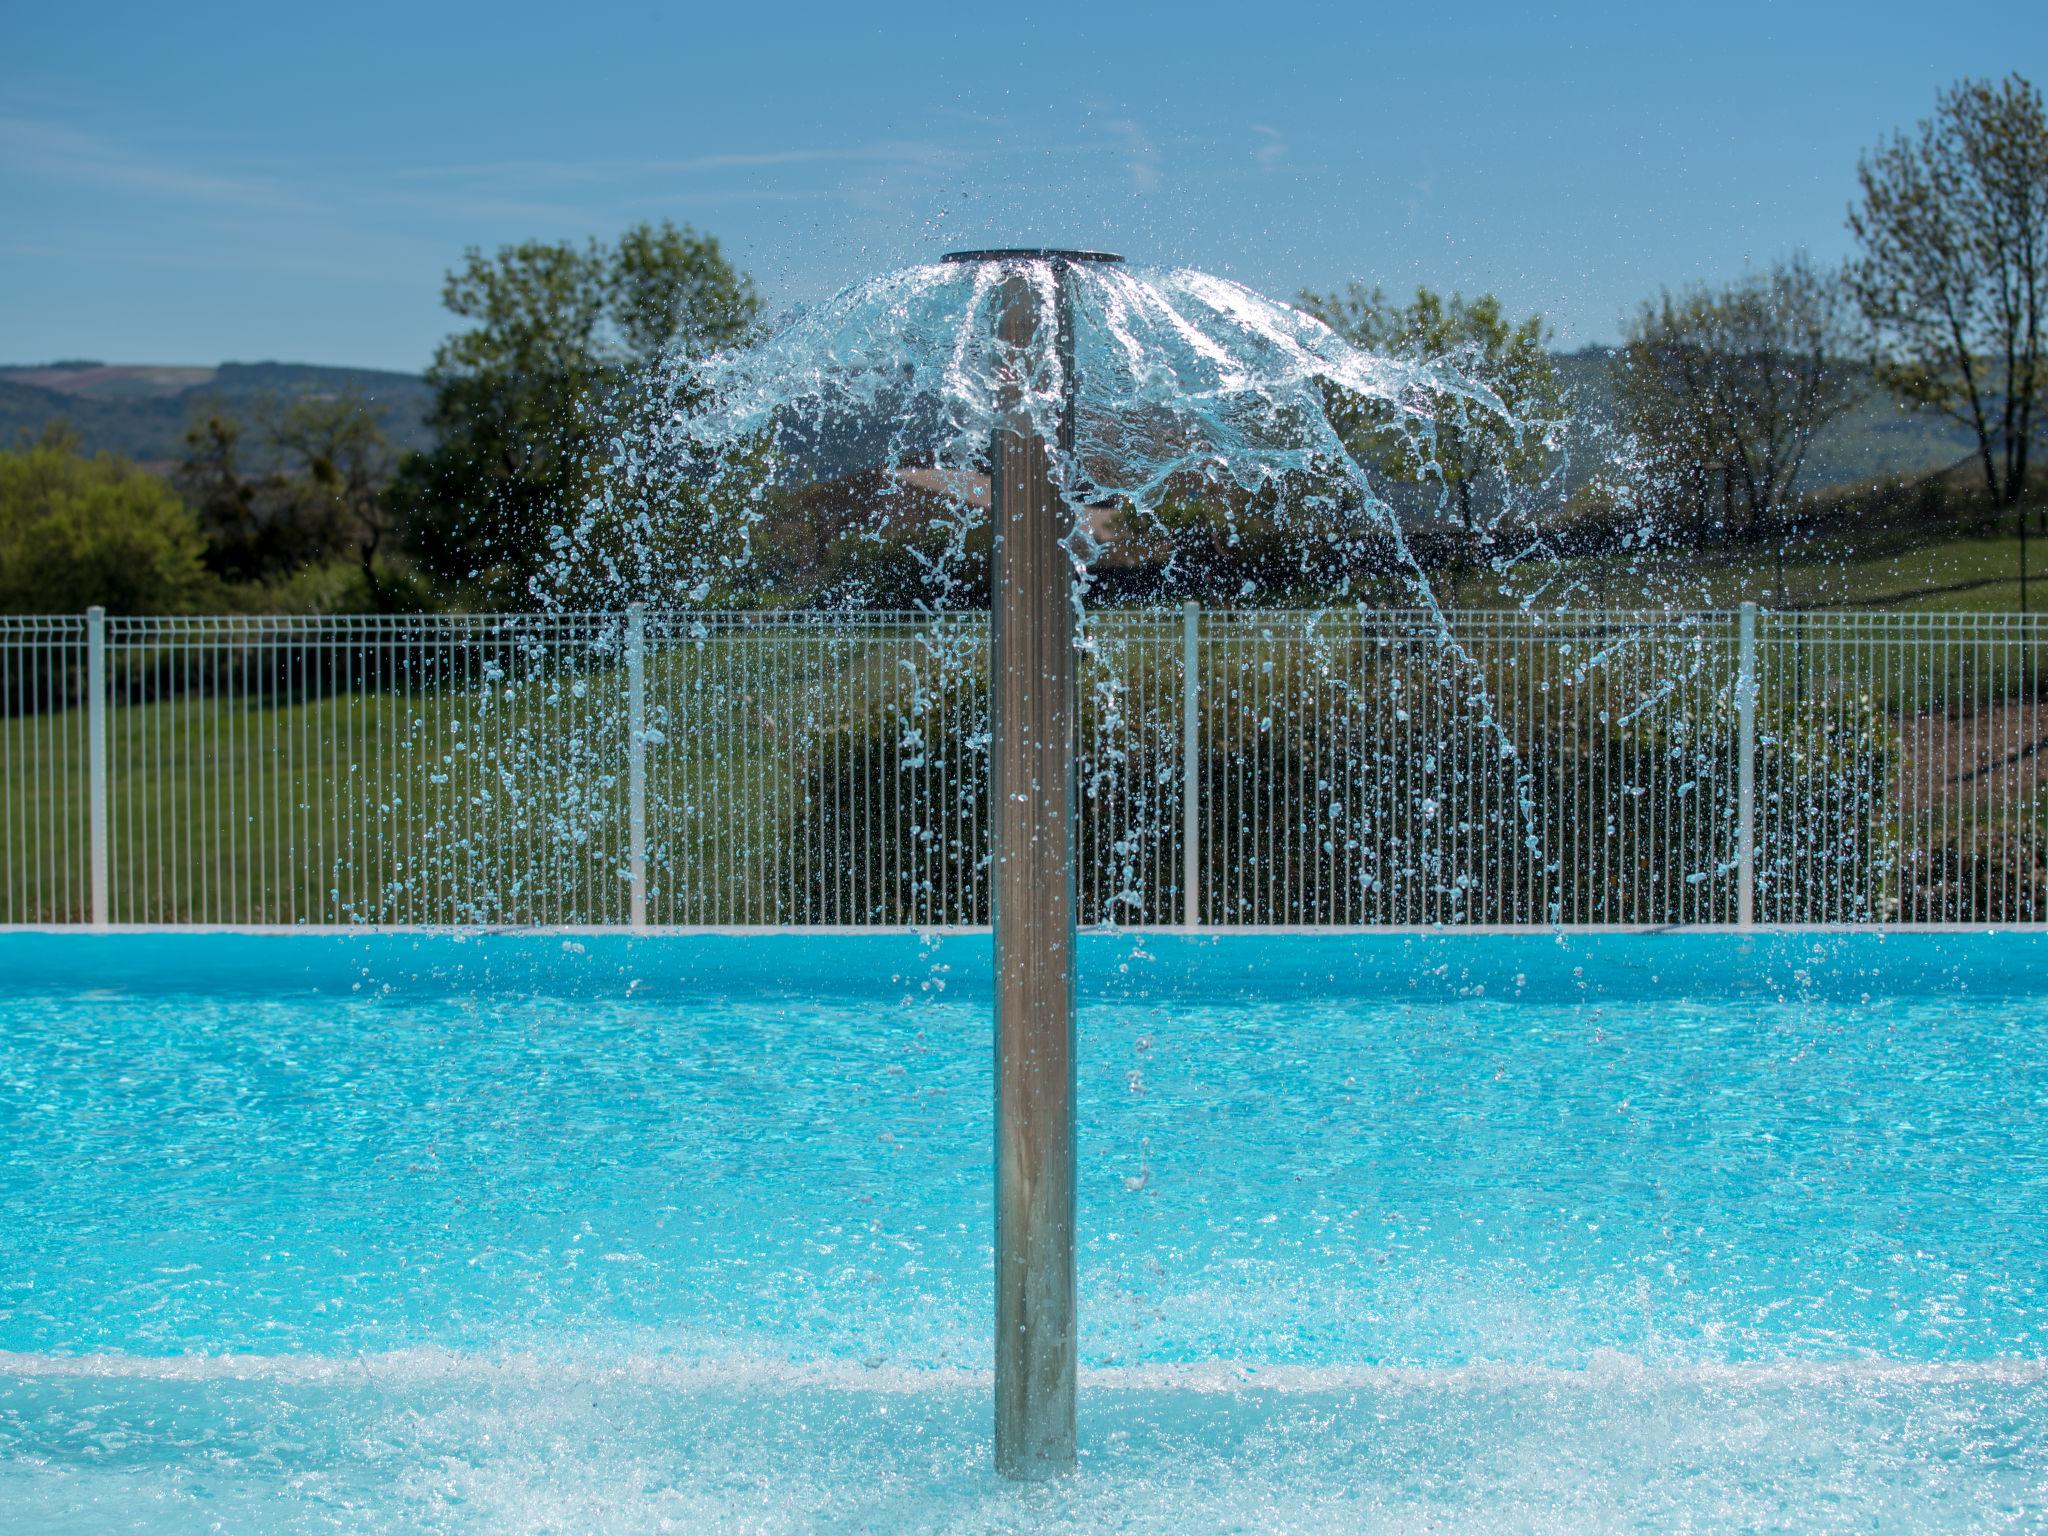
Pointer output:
x,y
1347,769
45,865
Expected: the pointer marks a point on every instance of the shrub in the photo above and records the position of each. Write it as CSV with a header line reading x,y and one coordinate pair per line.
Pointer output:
x,y
1985,875
1827,838
1366,786
75,532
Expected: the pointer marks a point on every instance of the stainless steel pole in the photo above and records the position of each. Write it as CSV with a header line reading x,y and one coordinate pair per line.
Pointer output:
x,y
636,764
1190,765
1745,785
1032,794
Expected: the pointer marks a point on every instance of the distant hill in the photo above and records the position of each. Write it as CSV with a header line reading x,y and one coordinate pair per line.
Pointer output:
x,y
1875,438
141,411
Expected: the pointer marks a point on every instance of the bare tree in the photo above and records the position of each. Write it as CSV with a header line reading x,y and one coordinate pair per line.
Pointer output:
x,y
1953,226
1725,390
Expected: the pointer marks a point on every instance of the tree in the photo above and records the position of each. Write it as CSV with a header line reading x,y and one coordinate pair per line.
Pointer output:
x,y
210,479
523,393
345,466
1725,390
75,532
1953,230
258,527
1209,538
1472,444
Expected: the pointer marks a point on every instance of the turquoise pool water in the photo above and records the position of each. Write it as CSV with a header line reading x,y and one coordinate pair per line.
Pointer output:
x,y
590,1234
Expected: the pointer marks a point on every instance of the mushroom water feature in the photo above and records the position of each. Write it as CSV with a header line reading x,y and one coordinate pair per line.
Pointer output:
x,y
678,1215
1066,382
683,1219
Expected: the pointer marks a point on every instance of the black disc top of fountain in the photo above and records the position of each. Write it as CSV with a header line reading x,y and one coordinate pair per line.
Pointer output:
x,y
1039,253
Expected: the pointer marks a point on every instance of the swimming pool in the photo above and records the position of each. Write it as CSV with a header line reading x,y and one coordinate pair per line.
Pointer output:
x,y
588,1232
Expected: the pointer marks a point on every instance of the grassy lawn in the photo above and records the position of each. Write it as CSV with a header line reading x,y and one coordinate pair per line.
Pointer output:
x,y
1949,566
1913,570
449,804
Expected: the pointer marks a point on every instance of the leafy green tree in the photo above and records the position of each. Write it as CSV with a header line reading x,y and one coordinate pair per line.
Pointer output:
x,y
210,478
258,526
1952,277
345,466
1725,390
75,532
524,392
1472,446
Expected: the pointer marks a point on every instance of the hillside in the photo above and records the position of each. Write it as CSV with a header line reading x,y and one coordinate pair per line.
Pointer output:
x,y
1875,438
142,411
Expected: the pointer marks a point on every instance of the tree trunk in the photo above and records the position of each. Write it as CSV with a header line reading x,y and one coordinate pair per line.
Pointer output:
x,y
368,550
2019,467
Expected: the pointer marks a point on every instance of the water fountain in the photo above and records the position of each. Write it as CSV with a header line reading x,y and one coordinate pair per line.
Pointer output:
x,y
1179,376
1388,1230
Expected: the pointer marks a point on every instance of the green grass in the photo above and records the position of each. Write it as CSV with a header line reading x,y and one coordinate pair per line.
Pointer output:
x,y
448,804
357,805
1898,569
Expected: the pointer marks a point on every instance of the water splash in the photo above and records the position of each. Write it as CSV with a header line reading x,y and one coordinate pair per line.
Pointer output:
x,y
840,463
1184,384
1199,408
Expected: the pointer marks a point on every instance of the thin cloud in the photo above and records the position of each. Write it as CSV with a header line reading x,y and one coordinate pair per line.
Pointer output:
x,y
55,152
887,152
1141,160
730,195
1271,147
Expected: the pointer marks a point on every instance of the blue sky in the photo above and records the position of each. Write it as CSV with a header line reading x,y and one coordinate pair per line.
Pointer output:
x,y
206,182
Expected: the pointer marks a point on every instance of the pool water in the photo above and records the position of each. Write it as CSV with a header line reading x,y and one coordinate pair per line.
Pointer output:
x,y
539,1234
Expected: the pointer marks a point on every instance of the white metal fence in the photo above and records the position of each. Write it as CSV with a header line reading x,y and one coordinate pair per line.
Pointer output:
x,y
800,768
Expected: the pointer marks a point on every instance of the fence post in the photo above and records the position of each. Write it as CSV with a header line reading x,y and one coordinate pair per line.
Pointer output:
x,y
636,762
1191,764
1745,714
96,755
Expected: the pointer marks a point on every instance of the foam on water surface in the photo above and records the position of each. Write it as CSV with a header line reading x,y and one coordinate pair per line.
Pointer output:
x,y
428,1442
